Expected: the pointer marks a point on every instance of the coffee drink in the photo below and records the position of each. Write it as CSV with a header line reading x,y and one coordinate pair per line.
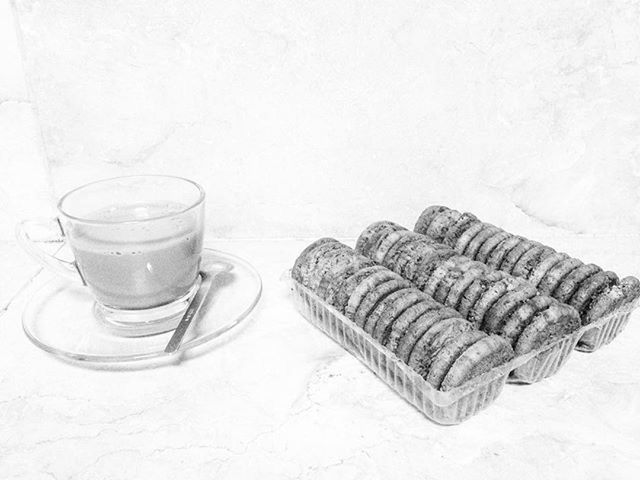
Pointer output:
x,y
138,256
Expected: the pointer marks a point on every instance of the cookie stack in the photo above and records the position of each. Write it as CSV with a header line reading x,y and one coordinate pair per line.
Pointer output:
x,y
589,289
493,301
431,338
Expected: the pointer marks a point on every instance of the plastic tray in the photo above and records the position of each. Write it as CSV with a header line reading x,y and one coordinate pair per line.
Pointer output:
x,y
605,329
447,408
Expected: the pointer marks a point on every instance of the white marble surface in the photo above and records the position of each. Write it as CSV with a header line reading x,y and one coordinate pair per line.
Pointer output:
x,y
281,400
291,111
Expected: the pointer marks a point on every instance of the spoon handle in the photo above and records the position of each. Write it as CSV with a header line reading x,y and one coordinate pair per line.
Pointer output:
x,y
190,313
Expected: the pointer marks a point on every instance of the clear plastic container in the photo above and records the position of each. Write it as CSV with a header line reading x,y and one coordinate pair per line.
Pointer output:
x,y
605,329
547,361
447,408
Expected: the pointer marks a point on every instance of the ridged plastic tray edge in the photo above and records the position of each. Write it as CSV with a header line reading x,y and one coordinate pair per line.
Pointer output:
x,y
450,407
605,329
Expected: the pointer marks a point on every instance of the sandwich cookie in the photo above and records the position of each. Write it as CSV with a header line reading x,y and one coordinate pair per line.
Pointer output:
x,y
490,244
479,358
501,310
375,296
333,280
400,326
476,243
417,329
367,284
441,223
590,289
498,254
467,236
522,317
425,218
461,225
570,283
432,341
389,309
449,353
547,326
297,270
543,267
529,260
370,236
556,274
341,293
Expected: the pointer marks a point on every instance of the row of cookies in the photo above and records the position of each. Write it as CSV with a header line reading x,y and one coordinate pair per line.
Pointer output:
x,y
592,291
434,340
493,301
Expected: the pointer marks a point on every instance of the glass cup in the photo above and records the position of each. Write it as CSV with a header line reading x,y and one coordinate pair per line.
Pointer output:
x,y
136,244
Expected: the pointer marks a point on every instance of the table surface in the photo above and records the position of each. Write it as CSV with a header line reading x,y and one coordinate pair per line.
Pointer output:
x,y
281,400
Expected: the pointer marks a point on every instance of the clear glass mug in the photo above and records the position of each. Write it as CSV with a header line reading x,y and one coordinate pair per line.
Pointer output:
x,y
137,246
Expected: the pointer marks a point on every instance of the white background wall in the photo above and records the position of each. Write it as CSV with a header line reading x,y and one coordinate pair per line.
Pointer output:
x,y
305,118
23,183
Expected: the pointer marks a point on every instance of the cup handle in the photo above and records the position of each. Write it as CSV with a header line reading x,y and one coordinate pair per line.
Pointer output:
x,y
63,268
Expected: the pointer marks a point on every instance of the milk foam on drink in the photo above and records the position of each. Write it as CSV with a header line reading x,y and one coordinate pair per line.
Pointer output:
x,y
134,258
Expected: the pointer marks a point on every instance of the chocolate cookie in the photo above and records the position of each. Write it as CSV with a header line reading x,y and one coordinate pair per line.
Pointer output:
x,y
389,309
452,276
342,293
461,225
467,236
317,262
400,326
475,290
490,296
331,263
371,235
410,262
296,271
497,256
589,290
425,218
606,302
631,288
479,358
472,272
375,296
476,243
387,242
333,281
543,267
490,244
448,354
523,315
433,340
367,284
426,268
441,223
512,258
415,331
546,327
501,310
569,284
440,272
556,274
411,254
396,256
529,260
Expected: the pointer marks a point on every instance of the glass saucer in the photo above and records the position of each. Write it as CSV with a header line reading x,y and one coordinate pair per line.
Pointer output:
x,y
59,318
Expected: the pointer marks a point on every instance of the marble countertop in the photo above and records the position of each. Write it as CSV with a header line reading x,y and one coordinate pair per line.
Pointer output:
x,y
281,400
